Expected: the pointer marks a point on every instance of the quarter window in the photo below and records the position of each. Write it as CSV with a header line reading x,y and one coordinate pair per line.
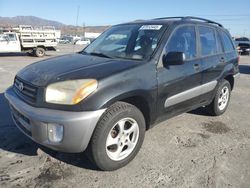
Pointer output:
x,y
207,41
227,42
219,44
183,40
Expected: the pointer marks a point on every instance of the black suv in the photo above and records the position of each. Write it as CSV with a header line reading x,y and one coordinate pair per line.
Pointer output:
x,y
243,45
134,75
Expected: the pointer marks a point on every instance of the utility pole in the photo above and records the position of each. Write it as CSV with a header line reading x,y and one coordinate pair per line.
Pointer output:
x,y
77,15
83,29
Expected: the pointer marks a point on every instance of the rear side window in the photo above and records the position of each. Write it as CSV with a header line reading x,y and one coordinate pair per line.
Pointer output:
x,y
207,41
227,42
183,40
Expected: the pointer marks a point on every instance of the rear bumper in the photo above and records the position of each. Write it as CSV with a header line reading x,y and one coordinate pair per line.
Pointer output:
x,y
236,78
33,122
244,50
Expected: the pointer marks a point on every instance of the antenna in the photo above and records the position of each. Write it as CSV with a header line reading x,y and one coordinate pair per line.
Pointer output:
x,y
83,29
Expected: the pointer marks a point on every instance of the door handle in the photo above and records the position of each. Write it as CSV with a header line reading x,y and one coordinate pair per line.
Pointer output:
x,y
222,59
196,67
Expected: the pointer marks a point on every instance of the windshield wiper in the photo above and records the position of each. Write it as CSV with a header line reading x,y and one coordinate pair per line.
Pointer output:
x,y
99,54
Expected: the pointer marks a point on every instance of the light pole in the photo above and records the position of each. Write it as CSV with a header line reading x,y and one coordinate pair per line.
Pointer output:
x,y
83,29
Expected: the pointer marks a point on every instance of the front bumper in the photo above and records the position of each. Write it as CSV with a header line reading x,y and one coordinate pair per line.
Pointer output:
x,y
33,122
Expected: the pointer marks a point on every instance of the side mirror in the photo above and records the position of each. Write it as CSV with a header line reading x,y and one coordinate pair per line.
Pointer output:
x,y
173,58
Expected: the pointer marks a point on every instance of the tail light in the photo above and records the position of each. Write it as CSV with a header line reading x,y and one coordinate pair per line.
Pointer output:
x,y
238,59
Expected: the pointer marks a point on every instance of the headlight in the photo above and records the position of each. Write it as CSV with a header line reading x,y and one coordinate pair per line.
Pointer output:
x,y
70,92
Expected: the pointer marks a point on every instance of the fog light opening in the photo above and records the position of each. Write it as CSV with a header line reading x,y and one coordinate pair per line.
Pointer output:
x,y
55,132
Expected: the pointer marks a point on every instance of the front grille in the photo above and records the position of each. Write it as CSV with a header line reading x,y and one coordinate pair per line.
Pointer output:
x,y
25,90
20,120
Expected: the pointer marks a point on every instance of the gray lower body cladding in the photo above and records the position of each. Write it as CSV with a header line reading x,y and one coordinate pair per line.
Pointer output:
x,y
33,122
189,94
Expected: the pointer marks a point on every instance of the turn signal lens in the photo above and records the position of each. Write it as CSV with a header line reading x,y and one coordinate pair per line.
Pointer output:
x,y
85,91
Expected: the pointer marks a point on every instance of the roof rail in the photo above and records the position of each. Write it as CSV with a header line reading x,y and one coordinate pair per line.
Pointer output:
x,y
203,19
191,18
165,18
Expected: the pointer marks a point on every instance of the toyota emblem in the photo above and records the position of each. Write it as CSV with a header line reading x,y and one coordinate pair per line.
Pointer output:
x,y
20,86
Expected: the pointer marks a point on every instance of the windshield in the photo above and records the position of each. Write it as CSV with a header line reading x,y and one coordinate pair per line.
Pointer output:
x,y
132,41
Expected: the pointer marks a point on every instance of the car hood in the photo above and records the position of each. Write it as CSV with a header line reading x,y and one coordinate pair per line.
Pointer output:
x,y
73,66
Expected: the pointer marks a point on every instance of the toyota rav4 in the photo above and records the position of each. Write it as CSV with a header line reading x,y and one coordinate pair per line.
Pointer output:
x,y
133,76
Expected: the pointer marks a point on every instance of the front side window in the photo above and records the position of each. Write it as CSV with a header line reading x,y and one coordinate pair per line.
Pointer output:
x,y
183,40
207,41
132,41
227,42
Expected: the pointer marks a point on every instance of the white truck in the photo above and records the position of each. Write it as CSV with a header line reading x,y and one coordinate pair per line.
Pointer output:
x,y
27,39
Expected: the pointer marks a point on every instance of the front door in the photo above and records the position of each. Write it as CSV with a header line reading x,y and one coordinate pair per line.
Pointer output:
x,y
9,43
3,43
179,85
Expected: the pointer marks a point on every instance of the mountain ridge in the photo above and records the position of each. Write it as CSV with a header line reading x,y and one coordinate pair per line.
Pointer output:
x,y
38,22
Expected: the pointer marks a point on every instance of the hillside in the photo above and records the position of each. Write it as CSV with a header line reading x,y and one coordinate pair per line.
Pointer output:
x,y
36,22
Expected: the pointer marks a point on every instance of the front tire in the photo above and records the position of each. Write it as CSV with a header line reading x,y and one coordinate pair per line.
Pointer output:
x,y
118,136
221,100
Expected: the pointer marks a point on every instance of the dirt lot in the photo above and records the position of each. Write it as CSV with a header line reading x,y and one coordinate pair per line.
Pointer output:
x,y
191,150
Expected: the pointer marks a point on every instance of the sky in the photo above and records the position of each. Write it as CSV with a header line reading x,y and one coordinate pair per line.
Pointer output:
x,y
233,14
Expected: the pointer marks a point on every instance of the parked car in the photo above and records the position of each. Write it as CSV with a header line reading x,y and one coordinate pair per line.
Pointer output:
x,y
243,45
82,42
130,78
63,41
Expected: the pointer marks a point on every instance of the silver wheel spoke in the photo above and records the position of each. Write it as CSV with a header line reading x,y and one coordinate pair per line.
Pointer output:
x,y
118,152
130,144
225,91
220,100
132,128
121,127
112,141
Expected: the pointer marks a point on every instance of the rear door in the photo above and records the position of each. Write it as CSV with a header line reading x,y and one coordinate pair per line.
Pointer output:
x,y
230,55
217,51
213,59
177,83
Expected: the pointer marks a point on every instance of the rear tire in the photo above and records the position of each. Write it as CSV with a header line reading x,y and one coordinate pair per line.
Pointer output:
x,y
221,100
39,52
118,136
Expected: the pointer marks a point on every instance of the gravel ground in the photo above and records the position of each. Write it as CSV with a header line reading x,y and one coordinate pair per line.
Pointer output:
x,y
190,150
